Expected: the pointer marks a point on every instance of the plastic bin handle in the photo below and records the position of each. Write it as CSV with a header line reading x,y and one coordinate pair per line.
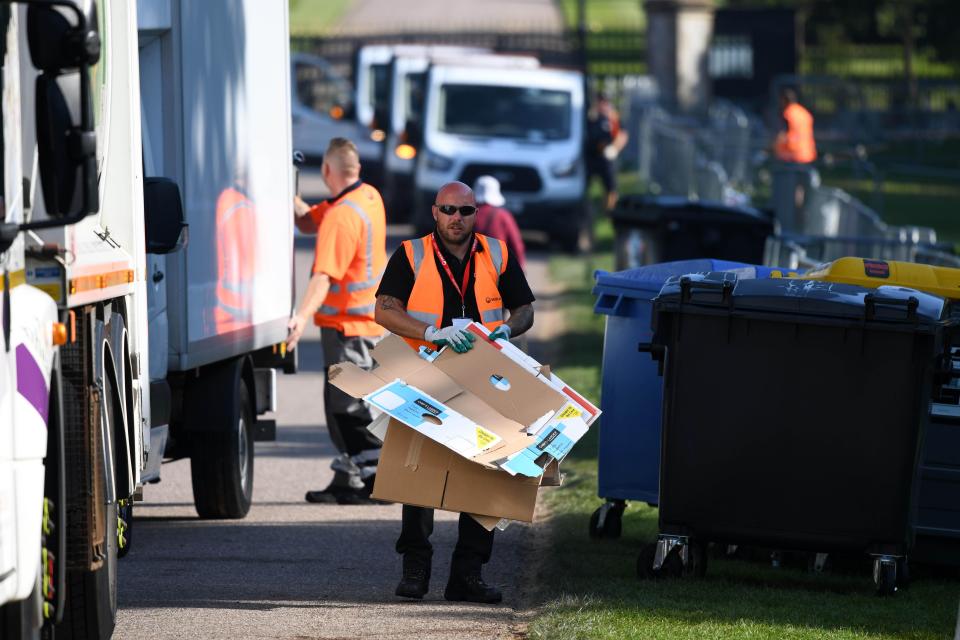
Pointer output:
x,y
608,303
655,350
871,300
688,285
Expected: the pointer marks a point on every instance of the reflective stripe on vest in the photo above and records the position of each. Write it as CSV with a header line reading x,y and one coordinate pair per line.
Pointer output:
x,y
369,226
496,256
353,287
492,315
417,245
365,310
423,316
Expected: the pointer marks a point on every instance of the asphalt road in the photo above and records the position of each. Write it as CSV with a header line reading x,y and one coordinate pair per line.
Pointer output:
x,y
296,570
497,16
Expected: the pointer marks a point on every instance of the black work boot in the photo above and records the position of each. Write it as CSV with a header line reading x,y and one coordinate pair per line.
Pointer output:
x,y
470,587
416,578
340,485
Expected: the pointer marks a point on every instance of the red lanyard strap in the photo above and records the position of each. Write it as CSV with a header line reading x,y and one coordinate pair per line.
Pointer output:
x,y
466,272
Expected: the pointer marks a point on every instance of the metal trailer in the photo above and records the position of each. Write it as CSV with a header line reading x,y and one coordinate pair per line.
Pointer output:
x,y
217,121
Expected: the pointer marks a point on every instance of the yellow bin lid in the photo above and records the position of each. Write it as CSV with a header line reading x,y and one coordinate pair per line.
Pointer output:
x,y
940,281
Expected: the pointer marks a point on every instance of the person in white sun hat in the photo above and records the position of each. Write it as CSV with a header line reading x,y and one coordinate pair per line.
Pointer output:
x,y
494,220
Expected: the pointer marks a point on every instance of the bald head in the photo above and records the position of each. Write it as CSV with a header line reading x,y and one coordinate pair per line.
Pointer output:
x,y
455,190
343,158
454,229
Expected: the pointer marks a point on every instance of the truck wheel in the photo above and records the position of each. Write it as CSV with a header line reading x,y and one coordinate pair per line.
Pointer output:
x,y
90,608
221,461
21,620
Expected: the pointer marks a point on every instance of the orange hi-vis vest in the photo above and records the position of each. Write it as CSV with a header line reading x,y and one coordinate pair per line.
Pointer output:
x,y
349,305
236,261
797,145
426,298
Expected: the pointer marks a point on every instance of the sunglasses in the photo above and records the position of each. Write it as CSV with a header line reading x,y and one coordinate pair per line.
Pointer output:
x,y
450,209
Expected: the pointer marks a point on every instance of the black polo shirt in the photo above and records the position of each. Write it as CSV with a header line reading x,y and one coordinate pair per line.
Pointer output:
x,y
398,280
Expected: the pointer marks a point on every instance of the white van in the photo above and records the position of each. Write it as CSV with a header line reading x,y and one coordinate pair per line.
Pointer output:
x,y
404,122
525,127
322,107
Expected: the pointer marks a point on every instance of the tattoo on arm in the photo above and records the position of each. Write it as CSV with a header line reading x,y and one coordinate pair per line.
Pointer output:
x,y
389,303
521,319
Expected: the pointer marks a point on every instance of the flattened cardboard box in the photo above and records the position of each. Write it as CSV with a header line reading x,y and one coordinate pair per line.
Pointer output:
x,y
484,385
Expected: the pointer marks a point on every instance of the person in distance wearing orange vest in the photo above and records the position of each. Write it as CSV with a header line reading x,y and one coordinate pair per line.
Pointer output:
x,y
432,288
350,257
796,143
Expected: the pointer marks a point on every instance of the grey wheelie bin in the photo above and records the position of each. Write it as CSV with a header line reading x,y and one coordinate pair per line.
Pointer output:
x,y
827,463
629,455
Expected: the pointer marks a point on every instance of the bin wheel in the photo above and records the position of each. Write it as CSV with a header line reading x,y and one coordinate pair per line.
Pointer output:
x,y
885,576
612,521
645,562
903,574
672,566
697,566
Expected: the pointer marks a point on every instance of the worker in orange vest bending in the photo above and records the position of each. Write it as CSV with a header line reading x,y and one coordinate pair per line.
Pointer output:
x,y
796,143
349,260
432,288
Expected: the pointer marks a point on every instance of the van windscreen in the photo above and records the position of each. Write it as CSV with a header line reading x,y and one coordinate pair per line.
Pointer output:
x,y
505,112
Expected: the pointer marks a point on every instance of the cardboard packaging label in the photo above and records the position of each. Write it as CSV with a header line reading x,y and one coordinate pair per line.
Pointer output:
x,y
432,418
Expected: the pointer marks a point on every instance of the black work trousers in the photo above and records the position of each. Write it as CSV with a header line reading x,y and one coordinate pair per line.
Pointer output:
x,y
474,543
347,417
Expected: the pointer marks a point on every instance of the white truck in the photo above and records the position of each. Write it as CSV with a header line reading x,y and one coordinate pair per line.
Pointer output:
x,y
524,127
164,352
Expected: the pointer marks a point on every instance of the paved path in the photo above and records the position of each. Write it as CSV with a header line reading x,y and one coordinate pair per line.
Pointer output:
x,y
295,570
393,16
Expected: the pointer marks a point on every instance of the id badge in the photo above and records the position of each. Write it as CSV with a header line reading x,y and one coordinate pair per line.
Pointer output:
x,y
461,323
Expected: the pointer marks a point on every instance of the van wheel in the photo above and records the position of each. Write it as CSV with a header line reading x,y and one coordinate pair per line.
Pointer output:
x,y
90,608
221,458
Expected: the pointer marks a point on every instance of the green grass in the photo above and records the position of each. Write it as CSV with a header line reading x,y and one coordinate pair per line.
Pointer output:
x,y
591,588
614,15
912,192
315,17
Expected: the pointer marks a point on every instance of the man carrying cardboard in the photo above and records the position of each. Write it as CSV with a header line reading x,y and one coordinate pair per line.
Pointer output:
x,y
433,287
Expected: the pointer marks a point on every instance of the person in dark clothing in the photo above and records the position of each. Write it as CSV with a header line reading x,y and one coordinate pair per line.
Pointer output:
x,y
422,298
605,140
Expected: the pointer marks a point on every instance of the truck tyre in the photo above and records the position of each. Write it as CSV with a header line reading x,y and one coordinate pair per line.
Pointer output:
x,y
90,609
21,620
221,460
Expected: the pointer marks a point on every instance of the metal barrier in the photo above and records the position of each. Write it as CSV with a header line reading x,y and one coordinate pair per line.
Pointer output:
x,y
700,160
805,252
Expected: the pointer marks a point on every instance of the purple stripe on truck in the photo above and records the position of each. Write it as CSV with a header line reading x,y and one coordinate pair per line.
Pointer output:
x,y
31,383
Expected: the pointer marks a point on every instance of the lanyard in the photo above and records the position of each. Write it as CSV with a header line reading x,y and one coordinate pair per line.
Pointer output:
x,y
466,274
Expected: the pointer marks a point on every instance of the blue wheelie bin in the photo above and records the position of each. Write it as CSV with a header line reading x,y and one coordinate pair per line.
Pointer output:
x,y
629,462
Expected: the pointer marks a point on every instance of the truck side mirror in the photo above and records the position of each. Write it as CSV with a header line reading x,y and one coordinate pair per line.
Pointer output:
x,y
67,154
166,229
63,51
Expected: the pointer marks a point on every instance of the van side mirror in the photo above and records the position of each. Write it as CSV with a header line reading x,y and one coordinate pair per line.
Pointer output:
x,y
63,50
166,228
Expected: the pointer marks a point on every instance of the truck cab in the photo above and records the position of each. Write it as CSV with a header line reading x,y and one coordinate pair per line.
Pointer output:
x,y
404,132
524,127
